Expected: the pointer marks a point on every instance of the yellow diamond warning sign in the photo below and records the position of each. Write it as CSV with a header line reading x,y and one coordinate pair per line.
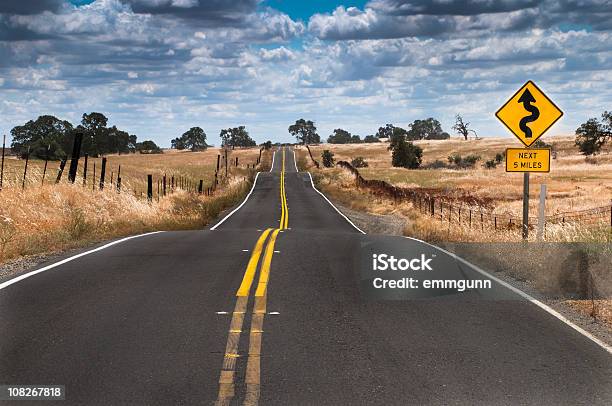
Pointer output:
x,y
528,160
529,113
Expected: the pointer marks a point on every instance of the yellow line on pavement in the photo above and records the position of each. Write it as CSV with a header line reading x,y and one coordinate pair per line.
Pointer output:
x,y
284,222
264,275
228,371
249,274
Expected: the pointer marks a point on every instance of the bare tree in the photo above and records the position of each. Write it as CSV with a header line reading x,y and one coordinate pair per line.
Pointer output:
x,y
463,128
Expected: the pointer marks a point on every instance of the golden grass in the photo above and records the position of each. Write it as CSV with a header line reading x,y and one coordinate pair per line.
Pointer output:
x,y
574,183
52,217
190,166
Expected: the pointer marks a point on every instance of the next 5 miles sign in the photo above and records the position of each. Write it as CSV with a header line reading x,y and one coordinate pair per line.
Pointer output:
x,y
528,160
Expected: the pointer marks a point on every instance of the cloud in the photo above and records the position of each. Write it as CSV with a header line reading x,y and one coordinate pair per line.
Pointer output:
x,y
382,19
29,6
157,67
276,54
207,12
450,7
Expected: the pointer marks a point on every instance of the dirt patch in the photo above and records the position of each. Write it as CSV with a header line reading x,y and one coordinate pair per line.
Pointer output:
x,y
375,223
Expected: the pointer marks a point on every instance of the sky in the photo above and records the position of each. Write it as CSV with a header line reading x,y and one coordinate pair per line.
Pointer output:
x,y
158,67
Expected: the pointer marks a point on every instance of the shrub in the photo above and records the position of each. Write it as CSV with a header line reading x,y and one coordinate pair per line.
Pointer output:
x,y
499,157
328,158
437,164
406,155
454,159
470,160
491,163
359,162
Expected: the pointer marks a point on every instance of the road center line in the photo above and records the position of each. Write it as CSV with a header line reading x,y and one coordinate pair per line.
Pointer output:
x,y
249,274
228,370
264,275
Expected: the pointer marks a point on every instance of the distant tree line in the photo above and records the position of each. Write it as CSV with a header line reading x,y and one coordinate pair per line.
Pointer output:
x,y
52,138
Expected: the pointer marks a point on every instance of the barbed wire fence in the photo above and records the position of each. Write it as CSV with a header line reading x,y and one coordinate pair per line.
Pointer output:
x,y
472,212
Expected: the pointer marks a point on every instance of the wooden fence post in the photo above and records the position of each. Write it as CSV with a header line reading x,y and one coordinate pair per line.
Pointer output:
x,y
150,188
2,165
42,182
164,185
85,170
25,170
76,154
236,162
119,179
102,173
200,186
61,170
226,163
93,181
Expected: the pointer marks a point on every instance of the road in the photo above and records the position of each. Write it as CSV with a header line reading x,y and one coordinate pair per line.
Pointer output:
x,y
267,308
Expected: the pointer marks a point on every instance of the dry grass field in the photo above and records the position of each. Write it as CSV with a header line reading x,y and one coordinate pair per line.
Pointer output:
x,y
574,183
190,166
46,218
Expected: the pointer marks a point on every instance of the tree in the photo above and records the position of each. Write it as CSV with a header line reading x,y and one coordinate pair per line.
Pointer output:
x,y
398,134
386,131
148,147
593,134
267,144
462,128
359,162
178,143
46,135
328,158
193,139
428,129
370,139
355,139
406,155
340,136
236,137
305,132
95,139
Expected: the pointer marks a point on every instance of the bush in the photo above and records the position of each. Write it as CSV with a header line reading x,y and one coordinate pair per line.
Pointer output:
x,y
359,162
470,160
406,155
437,164
491,163
328,158
499,157
454,159
461,162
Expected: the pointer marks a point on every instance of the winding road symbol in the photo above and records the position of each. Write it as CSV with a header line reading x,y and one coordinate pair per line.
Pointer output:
x,y
529,113
527,98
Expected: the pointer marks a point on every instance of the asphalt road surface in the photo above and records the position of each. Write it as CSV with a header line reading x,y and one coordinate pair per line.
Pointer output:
x,y
271,307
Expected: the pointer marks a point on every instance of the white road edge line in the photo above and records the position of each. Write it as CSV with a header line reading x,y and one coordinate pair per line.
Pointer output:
x,y
332,205
241,204
295,162
72,258
273,155
519,292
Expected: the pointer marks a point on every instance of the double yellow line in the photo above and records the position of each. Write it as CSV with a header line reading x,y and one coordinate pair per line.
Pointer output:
x,y
253,372
284,221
